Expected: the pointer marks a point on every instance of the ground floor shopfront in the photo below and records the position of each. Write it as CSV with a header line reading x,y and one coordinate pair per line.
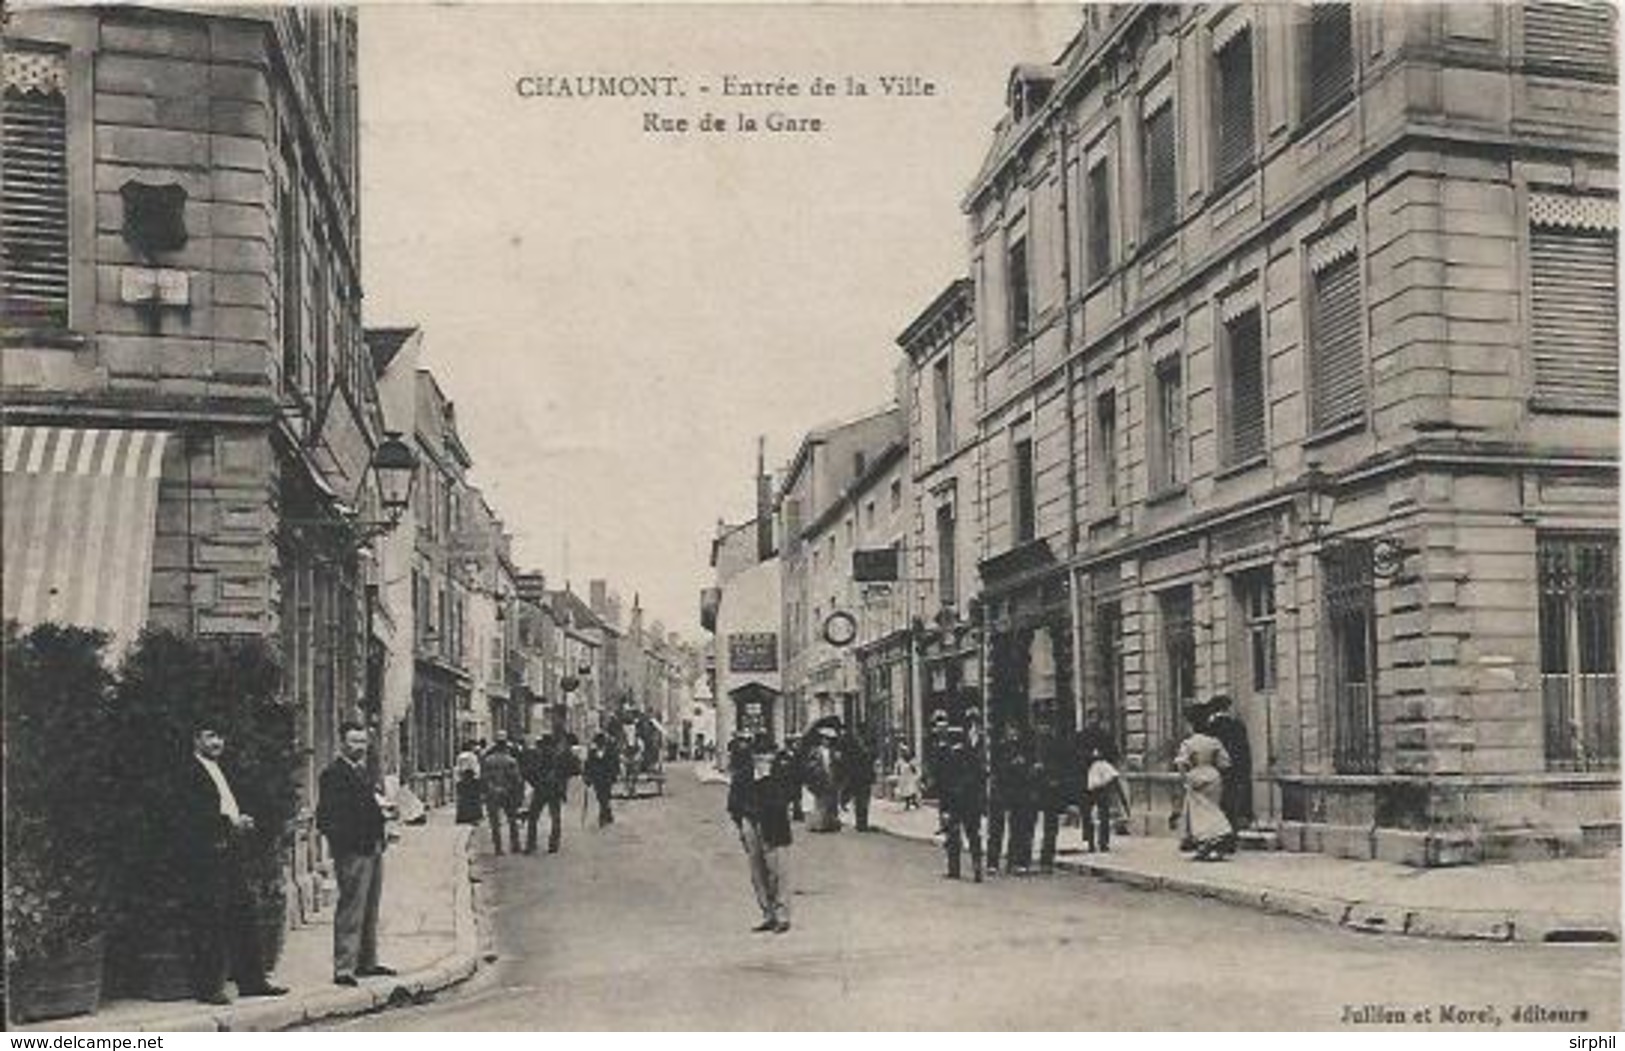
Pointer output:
x,y
439,722
1430,677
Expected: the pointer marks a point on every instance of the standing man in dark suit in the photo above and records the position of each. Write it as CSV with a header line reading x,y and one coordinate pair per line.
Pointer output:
x,y
348,814
547,768
504,793
961,797
222,933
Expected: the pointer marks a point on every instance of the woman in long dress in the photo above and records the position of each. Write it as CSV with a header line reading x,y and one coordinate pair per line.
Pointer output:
x,y
1202,761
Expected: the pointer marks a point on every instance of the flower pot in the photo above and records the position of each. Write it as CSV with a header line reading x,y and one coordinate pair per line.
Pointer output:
x,y
64,984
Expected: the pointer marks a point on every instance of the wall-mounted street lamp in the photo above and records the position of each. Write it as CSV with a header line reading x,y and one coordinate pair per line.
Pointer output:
x,y
1318,502
394,465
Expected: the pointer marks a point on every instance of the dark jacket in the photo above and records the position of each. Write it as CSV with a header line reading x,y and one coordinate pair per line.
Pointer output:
x,y
548,769
202,833
1237,801
1057,777
961,791
858,764
1096,744
603,767
499,771
765,802
347,810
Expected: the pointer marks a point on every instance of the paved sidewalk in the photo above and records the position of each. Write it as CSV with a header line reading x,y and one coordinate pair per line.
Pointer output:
x,y
1524,902
426,932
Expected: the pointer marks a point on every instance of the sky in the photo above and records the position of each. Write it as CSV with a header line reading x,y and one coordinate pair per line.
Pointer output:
x,y
619,313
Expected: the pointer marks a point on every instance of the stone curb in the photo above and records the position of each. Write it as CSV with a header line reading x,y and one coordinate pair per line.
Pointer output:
x,y
263,1016
1369,917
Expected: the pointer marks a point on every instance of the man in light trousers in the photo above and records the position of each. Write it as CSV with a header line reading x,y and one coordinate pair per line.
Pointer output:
x,y
758,802
348,814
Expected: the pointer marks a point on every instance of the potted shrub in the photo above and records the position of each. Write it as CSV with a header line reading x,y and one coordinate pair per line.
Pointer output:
x,y
58,810
166,684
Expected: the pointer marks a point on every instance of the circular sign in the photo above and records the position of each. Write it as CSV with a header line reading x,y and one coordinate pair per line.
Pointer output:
x,y
840,628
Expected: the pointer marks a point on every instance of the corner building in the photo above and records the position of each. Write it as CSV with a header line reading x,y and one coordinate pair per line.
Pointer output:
x,y
1300,379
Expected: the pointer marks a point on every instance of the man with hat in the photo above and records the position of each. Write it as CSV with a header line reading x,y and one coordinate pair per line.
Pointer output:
x,y
759,805
960,800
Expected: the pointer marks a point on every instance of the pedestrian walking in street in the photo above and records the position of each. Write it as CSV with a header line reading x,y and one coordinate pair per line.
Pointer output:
x,y
823,777
794,744
468,758
759,805
504,792
348,814
1228,730
1101,764
1201,762
223,938
547,768
600,771
1011,806
858,777
960,801
907,776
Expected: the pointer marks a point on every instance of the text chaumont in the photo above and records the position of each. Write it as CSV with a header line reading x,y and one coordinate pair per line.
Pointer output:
x,y
599,85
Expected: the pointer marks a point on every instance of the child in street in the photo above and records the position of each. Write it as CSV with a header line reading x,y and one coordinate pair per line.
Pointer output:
x,y
907,776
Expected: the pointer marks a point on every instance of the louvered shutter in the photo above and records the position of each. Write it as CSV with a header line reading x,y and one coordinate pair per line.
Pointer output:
x,y
1575,312
1338,377
1235,107
1161,195
1572,35
1330,73
34,237
1245,361
1100,213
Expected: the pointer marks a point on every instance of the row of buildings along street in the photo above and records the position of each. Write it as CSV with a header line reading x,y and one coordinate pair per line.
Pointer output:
x,y
1284,364
202,436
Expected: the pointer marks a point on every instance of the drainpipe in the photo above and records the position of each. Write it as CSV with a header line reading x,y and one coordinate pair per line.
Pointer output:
x,y
1074,532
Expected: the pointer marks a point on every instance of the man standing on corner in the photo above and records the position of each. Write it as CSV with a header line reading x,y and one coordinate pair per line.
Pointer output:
x,y
760,809
961,798
348,814
224,937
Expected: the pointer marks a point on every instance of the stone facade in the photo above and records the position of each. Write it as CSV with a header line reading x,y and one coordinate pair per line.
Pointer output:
x,y
1267,304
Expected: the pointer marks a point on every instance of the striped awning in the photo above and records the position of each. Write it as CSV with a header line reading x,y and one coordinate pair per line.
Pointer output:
x,y
80,507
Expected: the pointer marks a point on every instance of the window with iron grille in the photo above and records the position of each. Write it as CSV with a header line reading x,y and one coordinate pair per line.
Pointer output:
x,y
1176,671
1579,616
1337,340
1105,450
1233,109
947,561
1108,678
1254,591
1168,424
1241,389
35,246
1161,193
1574,313
1572,36
1350,671
942,388
1024,508
1099,211
1016,278
1328,60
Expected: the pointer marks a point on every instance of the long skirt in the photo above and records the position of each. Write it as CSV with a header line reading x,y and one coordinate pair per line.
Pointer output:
x,y
1205,823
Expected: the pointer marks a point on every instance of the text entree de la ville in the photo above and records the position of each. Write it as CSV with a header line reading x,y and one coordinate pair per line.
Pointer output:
x,y
663,95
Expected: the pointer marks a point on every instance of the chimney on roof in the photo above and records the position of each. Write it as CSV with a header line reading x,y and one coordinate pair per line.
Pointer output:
x,y
764,504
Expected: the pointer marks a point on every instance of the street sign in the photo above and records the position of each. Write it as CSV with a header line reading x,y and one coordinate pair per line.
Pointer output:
x,y
875,565
753,651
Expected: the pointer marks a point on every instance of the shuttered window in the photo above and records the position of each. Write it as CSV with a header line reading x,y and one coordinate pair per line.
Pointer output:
x,y
1100,219
1569,35
1024,510
1161,194
1105,451
1574,281
1168,424
1337,351
34,235
1243,403
1328,72
1233,108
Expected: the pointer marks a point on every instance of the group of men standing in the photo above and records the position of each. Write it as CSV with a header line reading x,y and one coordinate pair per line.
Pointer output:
x,y
509,782
222,936
1024,782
